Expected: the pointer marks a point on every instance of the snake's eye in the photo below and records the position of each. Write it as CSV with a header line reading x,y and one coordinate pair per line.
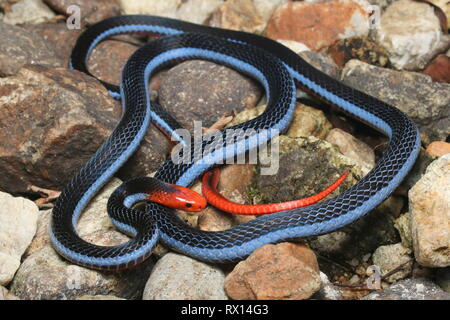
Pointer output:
x,y
188,205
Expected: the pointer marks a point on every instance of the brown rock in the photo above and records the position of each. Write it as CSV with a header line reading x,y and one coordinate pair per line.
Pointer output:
x,y
284,271
361,48
58,38
91,11
237,15
50,130
438,148
202,90
20,47
439,69
318,25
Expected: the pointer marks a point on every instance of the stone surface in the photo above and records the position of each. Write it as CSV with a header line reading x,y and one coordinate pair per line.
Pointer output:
x,y
99,297
439,69
429,204
391,257
316,24
425,101
55,127
403,226
410,289
5,295
18,223
265,8
22,47
239,15
202,90
90,11
177,277
284,271
28,11
196,11
438,148
408,29
58,38
70,281
353,148
327,290
361,48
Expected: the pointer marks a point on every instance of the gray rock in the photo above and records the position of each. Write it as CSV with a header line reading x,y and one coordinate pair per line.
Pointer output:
x,y
425,101
18,223
391,257
202,90
327,291
410,289
179,277
22,47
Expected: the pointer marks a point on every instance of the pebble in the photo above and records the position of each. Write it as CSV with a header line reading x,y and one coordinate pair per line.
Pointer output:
x,y
439,69
284,271
438,148
178,277
410,289
238,15
429,204
408,30
391,257
316,24
425,101
24,47
18,223
28,11
403,226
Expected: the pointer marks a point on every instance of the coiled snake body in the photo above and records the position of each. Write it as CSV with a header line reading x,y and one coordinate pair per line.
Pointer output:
x,y
277,69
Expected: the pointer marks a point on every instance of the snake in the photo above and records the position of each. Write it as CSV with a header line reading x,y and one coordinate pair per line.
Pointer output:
x,y
210,180
280,71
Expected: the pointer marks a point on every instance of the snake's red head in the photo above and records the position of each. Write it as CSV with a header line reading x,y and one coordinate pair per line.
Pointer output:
x,y
180,198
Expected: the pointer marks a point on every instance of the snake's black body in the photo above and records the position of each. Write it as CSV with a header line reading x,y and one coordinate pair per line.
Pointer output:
x,y
276,67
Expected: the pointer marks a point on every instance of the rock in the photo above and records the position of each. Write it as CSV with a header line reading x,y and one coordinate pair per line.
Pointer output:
x,y
408,29
443,278
410,289
306,167
62,122
416,173
438,148
5,295
28,11
353,148
91,11
284,271
177,277
308,121
327,290
426,102
265,8
58,38
99,297
439,69
108,59
18,223
22,47
196,11
205,91
70,281
391,257
316,24
429,204
163,8
361,48
403,226
239,15
295,46
382,4
323,62
444,5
